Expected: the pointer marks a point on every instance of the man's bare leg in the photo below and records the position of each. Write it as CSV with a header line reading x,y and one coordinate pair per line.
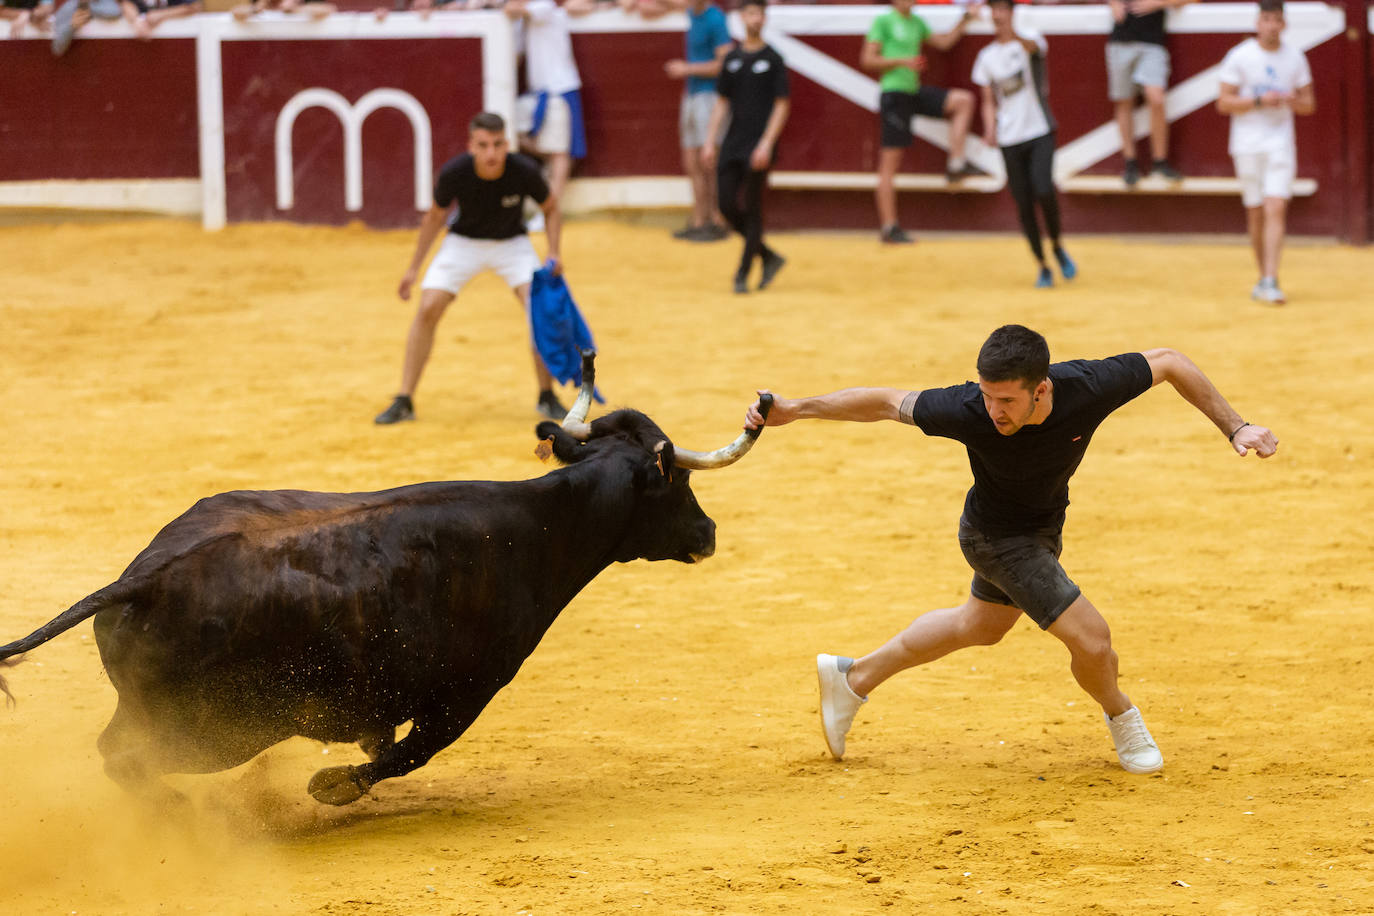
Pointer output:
x,y
1159,124
932,635
1125,124
885,194
1275,225
1094,665
1093,661
1254,224
420,340
959,105
560,167
691,166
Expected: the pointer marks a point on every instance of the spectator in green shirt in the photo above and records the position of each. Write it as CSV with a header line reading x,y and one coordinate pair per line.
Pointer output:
x,y
893,49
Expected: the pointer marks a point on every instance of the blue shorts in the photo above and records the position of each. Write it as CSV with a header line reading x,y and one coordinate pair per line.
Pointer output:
x,y
1022,571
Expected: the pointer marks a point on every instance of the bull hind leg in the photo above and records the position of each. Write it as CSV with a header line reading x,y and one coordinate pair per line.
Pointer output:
x,y
139,748
130,763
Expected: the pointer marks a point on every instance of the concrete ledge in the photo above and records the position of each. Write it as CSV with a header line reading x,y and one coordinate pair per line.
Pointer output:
x,y
171,196
1226,187
866,181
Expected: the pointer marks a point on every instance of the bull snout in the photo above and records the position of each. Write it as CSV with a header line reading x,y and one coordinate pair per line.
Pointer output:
x,y
706,545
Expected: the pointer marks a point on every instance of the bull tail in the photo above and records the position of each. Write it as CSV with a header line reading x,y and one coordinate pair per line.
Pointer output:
x,y
87,607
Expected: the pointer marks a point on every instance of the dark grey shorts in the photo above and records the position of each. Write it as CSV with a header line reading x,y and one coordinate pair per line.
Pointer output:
x,y
1022,571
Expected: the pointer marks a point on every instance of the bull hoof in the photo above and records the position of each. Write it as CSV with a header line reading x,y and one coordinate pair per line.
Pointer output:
x,y
337,786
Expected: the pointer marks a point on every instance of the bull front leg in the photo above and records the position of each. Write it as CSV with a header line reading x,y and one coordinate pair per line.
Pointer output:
x,y
428,736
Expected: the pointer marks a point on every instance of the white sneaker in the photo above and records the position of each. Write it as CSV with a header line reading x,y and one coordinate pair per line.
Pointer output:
x,y
839,702
1135,748
1267,291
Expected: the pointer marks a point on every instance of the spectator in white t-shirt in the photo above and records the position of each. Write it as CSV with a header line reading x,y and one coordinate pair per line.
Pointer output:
x,y
1265,81
550,116
1017,118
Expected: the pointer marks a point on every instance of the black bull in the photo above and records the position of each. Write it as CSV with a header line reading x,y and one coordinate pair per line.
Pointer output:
x,y
256,616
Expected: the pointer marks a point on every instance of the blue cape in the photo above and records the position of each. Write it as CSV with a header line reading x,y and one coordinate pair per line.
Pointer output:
x,y
560,332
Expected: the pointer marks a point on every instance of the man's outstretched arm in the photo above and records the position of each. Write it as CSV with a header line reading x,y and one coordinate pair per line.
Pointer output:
x,y
860,405
1178,370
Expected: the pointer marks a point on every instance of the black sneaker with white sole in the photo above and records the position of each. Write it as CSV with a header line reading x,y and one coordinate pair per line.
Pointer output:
x,y
401,409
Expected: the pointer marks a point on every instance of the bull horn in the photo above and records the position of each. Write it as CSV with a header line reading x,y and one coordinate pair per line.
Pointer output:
x,y
723,457
575,423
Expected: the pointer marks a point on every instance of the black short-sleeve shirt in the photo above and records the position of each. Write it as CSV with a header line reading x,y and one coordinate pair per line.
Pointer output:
x,y
1021,481
1148,28
751,81
489,209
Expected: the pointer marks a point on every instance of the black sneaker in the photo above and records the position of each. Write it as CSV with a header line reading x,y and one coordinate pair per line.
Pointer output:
x,y
549,406
401,409
771,266
1131,174
1164,170
895,235
741,283
688,233
712,232
967,170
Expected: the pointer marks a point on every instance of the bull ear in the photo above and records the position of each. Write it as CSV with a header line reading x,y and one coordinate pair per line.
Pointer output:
x,y
663,457
556,440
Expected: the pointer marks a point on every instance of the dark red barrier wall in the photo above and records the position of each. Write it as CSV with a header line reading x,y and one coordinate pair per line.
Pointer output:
x,y
108,109
444,75
119,109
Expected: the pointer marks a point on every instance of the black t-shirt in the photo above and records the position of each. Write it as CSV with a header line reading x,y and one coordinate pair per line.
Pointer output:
x,y
750,82
489,209
1148,28
1021,481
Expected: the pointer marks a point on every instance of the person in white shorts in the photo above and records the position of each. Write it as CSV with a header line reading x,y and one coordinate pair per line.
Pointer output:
x,y
1265,81
489,184
550,115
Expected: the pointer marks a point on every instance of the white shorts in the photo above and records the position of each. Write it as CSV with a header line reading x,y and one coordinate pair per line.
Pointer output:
x,y
555,134
461,258
694,116
1265,175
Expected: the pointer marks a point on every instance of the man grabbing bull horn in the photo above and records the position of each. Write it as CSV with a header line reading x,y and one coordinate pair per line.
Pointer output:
x,y
1026,424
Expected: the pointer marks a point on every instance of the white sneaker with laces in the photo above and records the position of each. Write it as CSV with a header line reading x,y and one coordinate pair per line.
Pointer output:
x,y
839,702
1135,748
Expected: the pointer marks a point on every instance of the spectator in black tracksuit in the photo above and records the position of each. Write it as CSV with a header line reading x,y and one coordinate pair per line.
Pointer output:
x,y
1017,118
753,94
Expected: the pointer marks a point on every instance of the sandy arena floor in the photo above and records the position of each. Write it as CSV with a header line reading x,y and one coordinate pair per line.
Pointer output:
x,y
660,751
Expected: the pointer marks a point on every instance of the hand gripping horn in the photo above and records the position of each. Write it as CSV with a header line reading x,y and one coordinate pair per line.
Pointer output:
x,y
575,424
723,457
